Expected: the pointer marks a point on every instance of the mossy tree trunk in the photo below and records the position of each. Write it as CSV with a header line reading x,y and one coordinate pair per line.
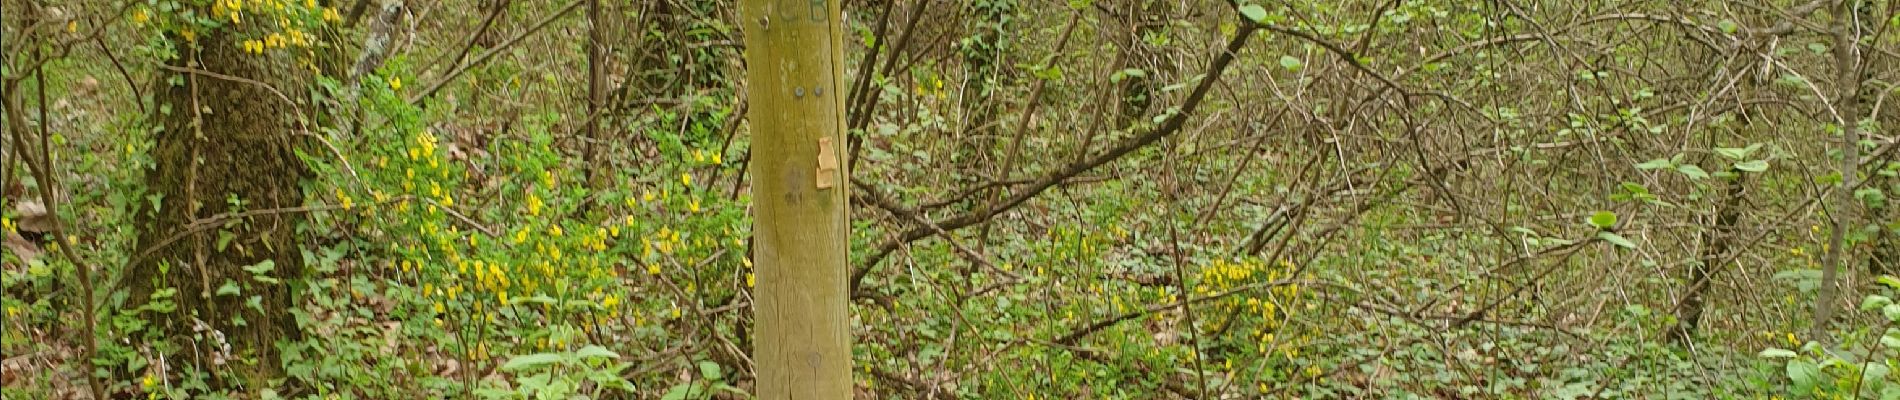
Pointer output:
x,y
989,24
1702,274
794,74
224,149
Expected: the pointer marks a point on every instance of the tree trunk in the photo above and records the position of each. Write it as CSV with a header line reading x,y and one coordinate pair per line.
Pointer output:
x,y
1843,208
795,68
1714,256
224,148
982,55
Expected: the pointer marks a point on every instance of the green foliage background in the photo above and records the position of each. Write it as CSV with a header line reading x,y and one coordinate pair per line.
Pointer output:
x,y
1377,199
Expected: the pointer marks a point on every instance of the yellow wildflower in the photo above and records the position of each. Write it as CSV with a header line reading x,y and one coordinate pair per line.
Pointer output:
x,y
344,198
686,179
534,205
693,206
395,83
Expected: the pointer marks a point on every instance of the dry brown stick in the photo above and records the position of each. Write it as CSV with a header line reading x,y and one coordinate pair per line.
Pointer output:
x,y
1246,160
65,46
1022,131
869,61
138,98
458,70
1180,274
42,173
1169,126
860,113
469,44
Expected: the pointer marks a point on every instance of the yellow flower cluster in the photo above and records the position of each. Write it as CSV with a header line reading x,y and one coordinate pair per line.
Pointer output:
x,y
1273,310
664,240
534,207
291,21
276,40
700,156
343,198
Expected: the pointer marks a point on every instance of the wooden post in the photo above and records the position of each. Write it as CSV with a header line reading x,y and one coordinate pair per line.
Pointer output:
x,y
794,69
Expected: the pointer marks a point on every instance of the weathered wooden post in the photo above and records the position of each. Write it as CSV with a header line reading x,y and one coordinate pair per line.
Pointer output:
x,y
794,73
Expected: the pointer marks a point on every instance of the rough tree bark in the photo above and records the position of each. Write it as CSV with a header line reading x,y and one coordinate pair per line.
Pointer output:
x,y
1842,206
224,147
795,67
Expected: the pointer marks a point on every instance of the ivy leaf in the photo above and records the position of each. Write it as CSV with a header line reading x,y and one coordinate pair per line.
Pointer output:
x,y
1728,26
1874,301
1892,311
1694,172
1603,219
1876,376
1659,163
1805,375
593,351
261,267
1616,239
1752,165
224,239
710,370
530,361
1290,63
684,391
230,288
1254,12
1777,353
1127,73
